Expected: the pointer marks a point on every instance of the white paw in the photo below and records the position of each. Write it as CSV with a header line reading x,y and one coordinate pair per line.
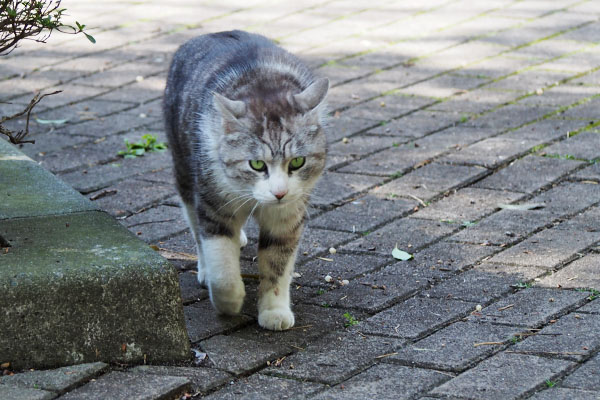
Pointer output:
x,y
228,298
243,239
278,319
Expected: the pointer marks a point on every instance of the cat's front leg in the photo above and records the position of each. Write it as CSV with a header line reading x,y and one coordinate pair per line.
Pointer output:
x,y
276,257
221,260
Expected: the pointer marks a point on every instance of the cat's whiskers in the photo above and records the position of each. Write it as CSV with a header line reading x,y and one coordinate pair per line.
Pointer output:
x,y
242,205
244,196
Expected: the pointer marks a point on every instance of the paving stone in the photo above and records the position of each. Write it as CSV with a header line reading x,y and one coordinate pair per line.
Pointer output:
x,y
529,174
559,393
585,221
562,95
13,392
581,273
182,250
547,130
364,213
345,124
586,377
386,382
593,307
491,152
445,86
203,321
239,356
311,323
547,249
568,197
122,385
483,283
454,347
572,337
530,307
333,188
86,179
201,379
415,317
88,110
334,357
504,227
479,100
191,291
372,292
353,148
467,205
407,233
432,180
415,125
130,196
489,379
56,380
583,111
260,386
342,266
582,146
156,223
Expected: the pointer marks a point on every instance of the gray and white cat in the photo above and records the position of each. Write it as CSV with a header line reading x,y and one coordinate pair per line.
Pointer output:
x,y
244,119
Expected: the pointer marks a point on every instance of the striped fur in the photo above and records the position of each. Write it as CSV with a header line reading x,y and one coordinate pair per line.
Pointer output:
x,y
232,97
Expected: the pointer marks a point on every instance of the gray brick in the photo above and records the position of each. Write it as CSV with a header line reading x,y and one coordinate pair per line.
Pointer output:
x,y
415,317
559,393
333,188
201,379
584,111
342,266
572,337
13,392
524,372
581,273
364,213
56,380
262,387
483,283
530,307
432,180
416,125
386,382
569,197
375,291
238,355
345,124
529,174
455,348
547,130
593,307
491,152
589,173
191,291
476,101
467,205
334,357
350,149
584,145
548,249
203,321
156,223
504,227
407,233
122,385
586,377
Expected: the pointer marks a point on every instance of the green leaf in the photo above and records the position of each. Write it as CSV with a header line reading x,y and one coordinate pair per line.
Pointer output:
x,y
400,254
51,121
522,207
90,37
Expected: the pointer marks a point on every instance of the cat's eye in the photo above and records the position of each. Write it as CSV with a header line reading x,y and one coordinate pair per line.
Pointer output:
x,y
296,163
258,165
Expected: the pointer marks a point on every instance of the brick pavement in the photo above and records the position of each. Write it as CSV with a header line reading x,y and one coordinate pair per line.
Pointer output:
x,y
441,111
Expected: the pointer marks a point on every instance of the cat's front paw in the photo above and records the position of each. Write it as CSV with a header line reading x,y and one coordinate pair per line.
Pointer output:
x,y
277,319
229,298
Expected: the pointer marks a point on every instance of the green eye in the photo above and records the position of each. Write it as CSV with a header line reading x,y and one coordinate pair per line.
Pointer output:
x,y
258,165
297,163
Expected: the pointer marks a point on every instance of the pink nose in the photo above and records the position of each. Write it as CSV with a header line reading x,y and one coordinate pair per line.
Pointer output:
x,y
280,195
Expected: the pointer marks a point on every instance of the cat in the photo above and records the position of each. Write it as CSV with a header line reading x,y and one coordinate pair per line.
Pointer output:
x,y
245,121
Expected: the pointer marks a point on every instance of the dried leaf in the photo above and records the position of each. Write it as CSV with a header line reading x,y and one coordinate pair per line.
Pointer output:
x,y
522,207
51,121
400,254
177,255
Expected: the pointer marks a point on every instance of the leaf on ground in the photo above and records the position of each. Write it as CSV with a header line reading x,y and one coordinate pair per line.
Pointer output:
x,y
522,207
177,255
51,121
400,254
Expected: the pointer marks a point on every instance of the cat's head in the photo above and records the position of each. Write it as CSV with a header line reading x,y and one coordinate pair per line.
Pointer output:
x,y
272,142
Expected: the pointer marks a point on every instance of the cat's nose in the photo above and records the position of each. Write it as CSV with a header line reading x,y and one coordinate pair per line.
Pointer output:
x,y
280,194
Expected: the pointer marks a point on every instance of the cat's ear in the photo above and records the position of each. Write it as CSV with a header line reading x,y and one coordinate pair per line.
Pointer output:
x,y
231,110
312,96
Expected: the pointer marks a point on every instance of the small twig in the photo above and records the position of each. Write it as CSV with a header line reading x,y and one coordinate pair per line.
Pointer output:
x,y
418,199
486,344
325,259
506,307
386,355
